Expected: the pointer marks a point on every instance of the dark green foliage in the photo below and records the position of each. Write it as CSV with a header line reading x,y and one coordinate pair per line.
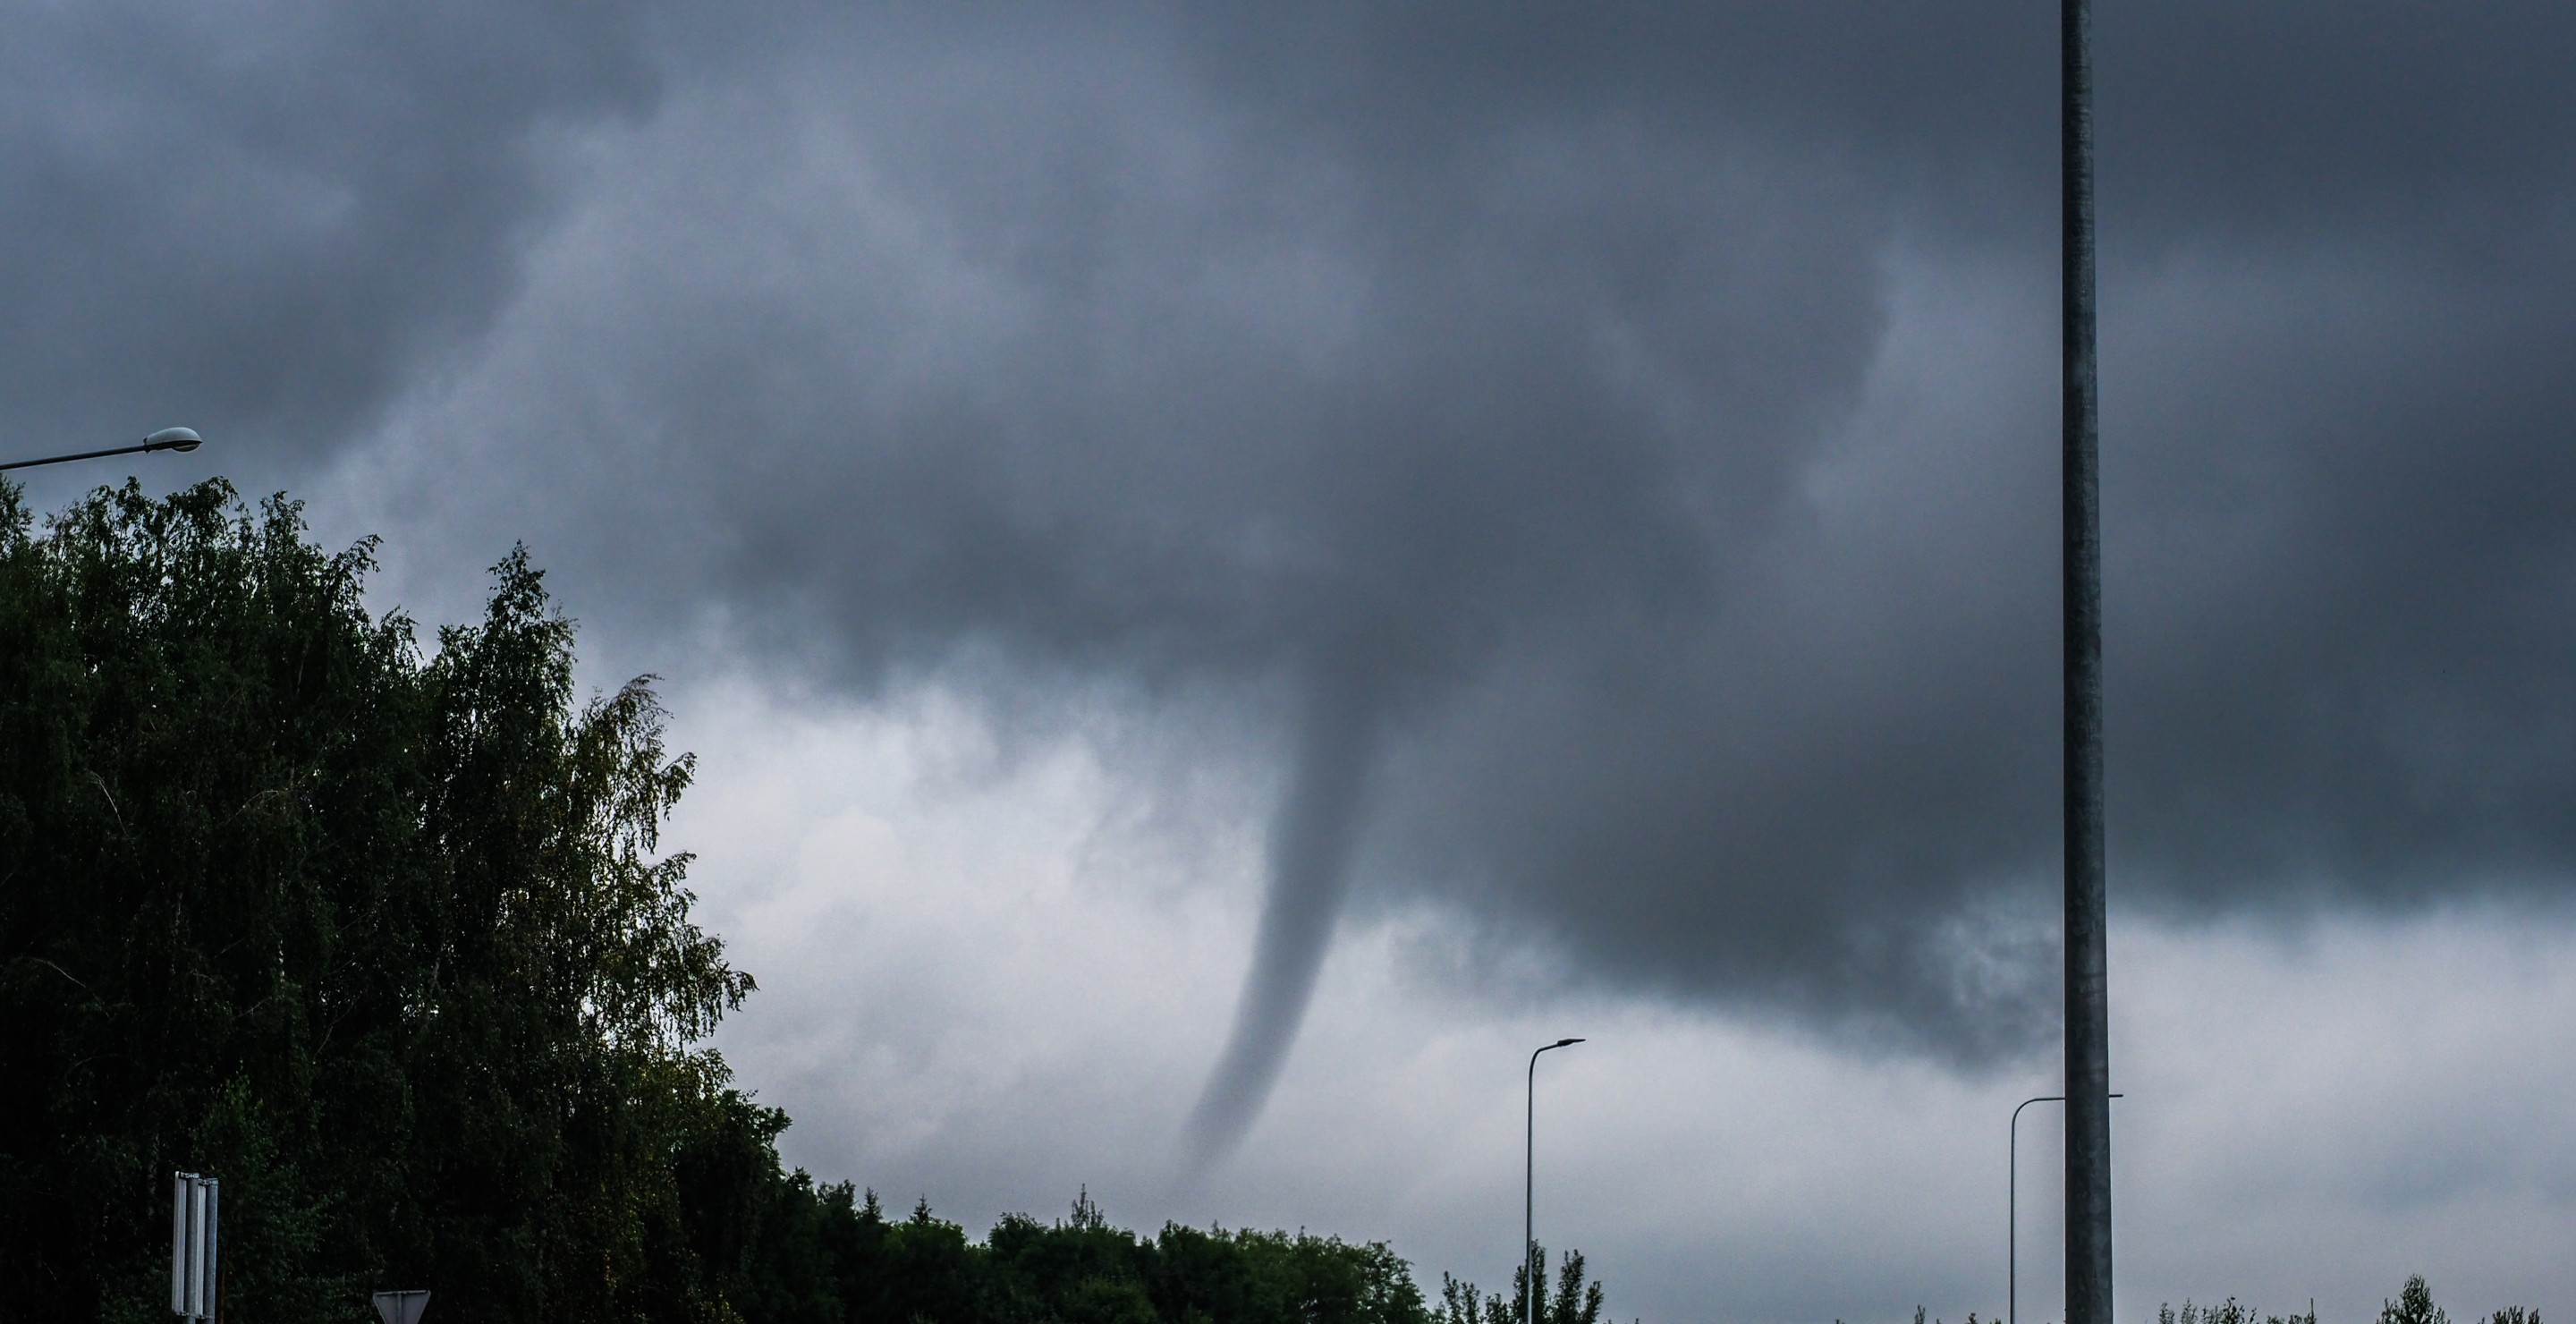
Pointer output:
x,y
1460,1304
2414,1305
380,940
825,1255
1574,1302
2230,1313
384,942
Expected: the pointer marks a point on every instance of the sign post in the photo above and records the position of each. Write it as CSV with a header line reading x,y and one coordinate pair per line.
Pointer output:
x,y
194,1213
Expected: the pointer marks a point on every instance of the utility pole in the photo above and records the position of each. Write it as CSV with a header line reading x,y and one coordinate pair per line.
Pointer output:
x,y
2088,1017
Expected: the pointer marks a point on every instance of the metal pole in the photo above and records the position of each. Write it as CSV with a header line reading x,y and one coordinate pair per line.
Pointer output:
x,y
214,1270
1529,1186
2088,1020
197,1249
180,1184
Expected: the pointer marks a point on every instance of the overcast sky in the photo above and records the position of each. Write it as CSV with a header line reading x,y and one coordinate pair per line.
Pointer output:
x,y
1232,575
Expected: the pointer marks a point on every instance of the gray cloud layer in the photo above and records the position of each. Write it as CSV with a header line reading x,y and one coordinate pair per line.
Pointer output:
x,y
1620,441
261,215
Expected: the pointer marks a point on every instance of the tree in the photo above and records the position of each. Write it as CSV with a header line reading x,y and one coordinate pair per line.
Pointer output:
x,y
1575,1301
2414,1305
381,940
386,941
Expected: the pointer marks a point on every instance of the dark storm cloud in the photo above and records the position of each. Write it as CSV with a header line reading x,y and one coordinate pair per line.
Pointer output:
x,y
1620,440
2211,114
255,217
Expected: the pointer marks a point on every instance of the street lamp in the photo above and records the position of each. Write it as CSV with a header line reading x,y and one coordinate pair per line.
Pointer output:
x,y
1529,1185
167,439
2012,1198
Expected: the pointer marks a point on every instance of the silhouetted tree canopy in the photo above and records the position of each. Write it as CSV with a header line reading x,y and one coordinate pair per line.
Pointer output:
x,y
380,939
384,939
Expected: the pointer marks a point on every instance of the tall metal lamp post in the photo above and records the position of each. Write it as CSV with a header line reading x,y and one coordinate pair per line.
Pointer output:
x,y
167,439
2088,1015
1529,1188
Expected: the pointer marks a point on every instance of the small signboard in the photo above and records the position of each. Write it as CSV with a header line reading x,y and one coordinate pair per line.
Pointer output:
x,y
401,1307
193,1210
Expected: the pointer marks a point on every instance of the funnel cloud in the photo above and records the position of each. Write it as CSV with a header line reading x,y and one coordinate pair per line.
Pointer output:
x,y
1309,864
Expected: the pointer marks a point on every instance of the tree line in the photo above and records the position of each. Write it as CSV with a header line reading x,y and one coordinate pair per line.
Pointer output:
x,y
2412,1305
383,936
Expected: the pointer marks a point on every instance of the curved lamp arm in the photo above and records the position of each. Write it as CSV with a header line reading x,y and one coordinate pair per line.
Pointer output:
x,y
167,439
